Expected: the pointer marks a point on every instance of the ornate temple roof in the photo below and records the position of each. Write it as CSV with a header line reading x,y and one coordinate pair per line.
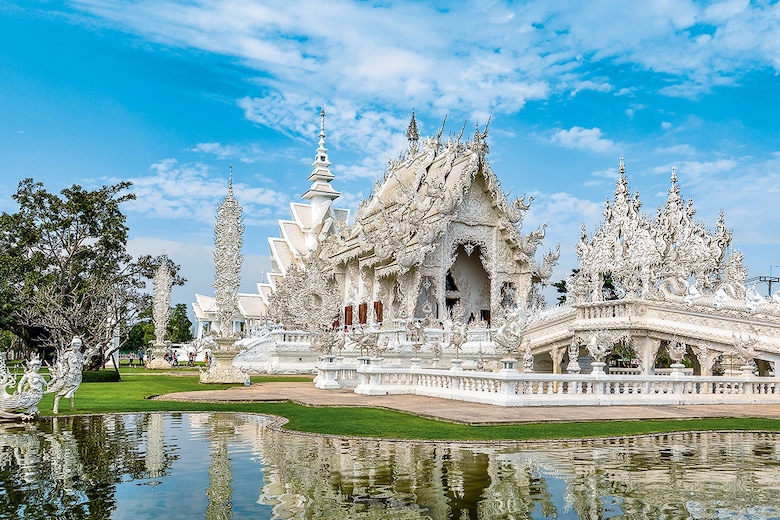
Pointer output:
x,y
421,195
637,251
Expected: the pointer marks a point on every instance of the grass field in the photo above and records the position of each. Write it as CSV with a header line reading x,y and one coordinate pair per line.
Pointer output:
x,y
132,393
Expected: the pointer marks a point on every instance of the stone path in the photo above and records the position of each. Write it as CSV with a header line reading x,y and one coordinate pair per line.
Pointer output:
x,y
464,412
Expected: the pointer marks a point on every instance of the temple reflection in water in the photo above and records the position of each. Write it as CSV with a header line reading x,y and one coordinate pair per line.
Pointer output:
x,y
221,466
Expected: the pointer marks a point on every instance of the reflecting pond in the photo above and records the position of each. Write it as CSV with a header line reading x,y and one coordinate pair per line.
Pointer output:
x,y
221,466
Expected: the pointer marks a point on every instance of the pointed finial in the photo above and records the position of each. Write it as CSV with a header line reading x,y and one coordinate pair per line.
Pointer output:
x,y
230,179
487,125
412,134
441,130
322,122
622,168
674,174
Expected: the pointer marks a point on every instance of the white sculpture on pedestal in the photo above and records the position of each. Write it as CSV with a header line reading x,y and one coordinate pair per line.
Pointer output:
x,y
23,403
161,303
228,239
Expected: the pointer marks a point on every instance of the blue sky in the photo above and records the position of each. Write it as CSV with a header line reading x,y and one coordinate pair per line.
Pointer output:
x,y
168,93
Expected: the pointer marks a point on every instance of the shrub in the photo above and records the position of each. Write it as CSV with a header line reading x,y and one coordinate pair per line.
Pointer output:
x,y
100,376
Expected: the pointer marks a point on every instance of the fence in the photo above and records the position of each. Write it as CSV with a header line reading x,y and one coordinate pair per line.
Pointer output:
x,y
508,387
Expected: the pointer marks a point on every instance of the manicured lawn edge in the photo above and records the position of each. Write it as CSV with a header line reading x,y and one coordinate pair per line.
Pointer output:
x,y
133,392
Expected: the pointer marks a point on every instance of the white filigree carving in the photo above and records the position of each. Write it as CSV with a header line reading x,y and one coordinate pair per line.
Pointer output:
x,y
228,239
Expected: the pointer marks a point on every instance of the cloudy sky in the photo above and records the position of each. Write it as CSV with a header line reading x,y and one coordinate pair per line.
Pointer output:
x,y
169,93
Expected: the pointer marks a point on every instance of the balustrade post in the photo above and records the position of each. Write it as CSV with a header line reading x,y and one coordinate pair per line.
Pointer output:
x,y
597,373
749,376
327,372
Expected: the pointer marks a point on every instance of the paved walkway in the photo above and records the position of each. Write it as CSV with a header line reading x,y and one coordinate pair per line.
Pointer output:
x,y
464,412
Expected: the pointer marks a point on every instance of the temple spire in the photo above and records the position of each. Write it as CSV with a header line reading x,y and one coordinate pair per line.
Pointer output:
x,y
321,191
230,181
413,135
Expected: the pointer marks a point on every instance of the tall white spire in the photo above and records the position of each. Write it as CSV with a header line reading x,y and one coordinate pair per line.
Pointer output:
x,y
228,239
321,190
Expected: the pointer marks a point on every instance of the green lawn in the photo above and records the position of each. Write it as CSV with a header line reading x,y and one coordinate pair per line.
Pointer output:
x,y
131,395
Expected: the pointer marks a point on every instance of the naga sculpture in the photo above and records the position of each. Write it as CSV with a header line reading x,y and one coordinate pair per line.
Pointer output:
x,y
23,403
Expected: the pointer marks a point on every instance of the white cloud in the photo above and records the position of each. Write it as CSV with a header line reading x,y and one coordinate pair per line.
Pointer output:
x,y
676,150
197,265
666,125
579,138
191,192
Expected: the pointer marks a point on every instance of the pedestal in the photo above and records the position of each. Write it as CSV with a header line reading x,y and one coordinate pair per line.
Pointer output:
x,y
508,365
158,361
456,365
221,369
598,368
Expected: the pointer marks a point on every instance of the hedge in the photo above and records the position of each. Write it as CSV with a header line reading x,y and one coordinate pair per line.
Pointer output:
x,y
100,376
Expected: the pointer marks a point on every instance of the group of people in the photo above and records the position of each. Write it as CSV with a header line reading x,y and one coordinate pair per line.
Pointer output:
x,y
172,357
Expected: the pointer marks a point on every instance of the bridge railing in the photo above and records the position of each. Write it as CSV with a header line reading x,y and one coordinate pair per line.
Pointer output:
x,y
508,387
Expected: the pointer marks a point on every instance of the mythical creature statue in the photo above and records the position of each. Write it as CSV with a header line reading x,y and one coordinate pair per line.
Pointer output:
x,y
66,372
692,294
753,300
745,348
724,294
677,350
509,334
600,346
518,208
22,404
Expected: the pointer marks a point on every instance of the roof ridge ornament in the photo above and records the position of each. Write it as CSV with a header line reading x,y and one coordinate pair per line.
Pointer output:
x,y
441,130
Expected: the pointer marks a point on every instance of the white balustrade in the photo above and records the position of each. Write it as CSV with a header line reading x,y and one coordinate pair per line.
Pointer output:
x,y
508,387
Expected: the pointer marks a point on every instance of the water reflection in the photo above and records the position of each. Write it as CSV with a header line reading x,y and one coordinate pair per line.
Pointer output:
x,y
222,466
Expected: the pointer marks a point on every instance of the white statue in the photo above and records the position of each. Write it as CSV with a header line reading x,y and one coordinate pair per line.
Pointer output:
x,y
600,345
724,293
753,299
677,350
66,372
22,404
692,294
528,359
573,367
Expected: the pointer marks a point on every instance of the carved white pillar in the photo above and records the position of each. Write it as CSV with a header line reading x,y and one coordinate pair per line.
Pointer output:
x,y
706,358
649,349
557,356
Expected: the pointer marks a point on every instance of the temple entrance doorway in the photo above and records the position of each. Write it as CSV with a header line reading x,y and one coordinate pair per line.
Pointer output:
x,y
468,283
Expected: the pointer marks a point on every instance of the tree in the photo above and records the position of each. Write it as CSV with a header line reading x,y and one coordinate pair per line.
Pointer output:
x,y
179,327
561,288
65,270
138,337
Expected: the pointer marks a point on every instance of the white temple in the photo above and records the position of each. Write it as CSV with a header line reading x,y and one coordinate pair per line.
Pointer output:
x,y
437,232
437,265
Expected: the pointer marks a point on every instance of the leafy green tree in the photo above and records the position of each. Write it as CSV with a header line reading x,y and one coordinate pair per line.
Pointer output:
x,y
561,288
138,337
64,267
179,327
